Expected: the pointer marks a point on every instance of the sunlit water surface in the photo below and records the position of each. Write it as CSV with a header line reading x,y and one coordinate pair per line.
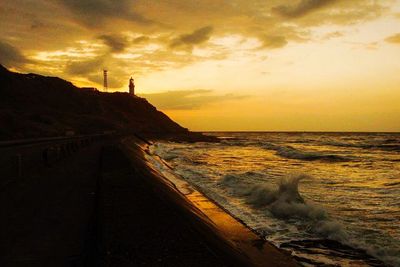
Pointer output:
x,y
329,198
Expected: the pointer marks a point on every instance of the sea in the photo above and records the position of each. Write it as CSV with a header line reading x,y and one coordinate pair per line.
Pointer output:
x,y
330,199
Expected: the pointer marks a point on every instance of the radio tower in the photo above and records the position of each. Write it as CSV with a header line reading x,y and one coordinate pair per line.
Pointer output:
x,y
105,83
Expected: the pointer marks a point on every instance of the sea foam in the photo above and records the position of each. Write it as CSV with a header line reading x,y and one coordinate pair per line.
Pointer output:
x,y
271,203
284,201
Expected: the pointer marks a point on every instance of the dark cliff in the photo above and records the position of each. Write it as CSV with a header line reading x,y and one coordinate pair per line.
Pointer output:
x,y
32,105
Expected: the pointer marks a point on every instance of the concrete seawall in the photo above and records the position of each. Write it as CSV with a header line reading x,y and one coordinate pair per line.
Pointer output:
x,y
22,157
105,206
140,226
226,234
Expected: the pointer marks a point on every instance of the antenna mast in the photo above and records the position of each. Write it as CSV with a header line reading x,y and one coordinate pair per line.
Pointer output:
x,y
105,83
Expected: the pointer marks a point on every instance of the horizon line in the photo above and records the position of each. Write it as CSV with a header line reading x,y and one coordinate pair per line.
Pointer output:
x,y
294,131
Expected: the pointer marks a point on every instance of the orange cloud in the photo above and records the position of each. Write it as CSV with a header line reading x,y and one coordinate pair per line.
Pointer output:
x,y
11,56
94,13
196,37
302,8
117,43
187,99
273,41
394,39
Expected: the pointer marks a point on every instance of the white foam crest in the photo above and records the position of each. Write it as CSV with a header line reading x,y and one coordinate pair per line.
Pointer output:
x,y
277,211
285,202
164,151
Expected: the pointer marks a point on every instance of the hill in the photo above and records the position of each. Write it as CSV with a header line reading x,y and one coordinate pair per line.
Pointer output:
x,y
33,105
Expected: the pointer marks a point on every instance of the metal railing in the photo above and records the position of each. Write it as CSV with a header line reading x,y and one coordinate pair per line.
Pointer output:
x,y
20,157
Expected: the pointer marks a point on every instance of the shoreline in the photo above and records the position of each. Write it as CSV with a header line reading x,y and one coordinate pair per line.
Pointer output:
x,y
205,167
217,226
106,206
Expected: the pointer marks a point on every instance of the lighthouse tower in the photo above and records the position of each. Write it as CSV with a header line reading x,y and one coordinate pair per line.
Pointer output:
x,y
131,86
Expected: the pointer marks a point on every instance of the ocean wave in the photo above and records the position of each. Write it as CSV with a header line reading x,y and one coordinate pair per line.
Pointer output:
x,y
284,202
169,154
293,153
348,255
280,212
232,142
391,184
391,145
340,144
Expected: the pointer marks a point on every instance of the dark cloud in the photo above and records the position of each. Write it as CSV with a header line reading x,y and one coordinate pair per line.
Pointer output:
x,y
36,24
93,13
10,56
301,9
117,43
332,35
54,36
394,39
140,39
92,70
82,68
273,41
187,99
197,37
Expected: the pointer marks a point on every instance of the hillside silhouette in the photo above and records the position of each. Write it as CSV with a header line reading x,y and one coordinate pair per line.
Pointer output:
x,y
33,105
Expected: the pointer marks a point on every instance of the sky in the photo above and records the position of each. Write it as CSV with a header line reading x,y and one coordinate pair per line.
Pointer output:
x,y
219,65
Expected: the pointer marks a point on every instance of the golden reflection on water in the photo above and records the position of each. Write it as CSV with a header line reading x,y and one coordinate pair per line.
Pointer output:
x,y
354,177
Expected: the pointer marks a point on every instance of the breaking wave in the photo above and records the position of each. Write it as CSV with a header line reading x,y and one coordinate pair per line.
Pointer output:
x,y
293,153
276,207
285,202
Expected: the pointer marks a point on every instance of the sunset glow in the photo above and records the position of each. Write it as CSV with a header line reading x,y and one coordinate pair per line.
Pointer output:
x,y
306,65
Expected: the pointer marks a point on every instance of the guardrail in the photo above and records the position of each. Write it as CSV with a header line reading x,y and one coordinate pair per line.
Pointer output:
x,y
20,157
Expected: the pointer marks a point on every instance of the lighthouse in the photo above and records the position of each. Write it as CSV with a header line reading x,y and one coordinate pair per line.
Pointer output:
x,y
131,86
